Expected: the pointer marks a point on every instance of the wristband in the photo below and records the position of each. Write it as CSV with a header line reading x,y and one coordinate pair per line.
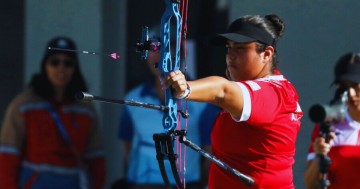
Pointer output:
x,y
186,93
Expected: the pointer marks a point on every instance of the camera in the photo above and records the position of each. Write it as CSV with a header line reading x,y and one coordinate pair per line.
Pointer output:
x,y
329,113
325,113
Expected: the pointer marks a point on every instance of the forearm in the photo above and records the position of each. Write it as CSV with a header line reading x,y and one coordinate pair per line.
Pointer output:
x,y
219,91
209,89
311,176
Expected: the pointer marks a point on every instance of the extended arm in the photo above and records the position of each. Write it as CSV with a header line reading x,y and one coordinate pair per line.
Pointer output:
x,y
217,90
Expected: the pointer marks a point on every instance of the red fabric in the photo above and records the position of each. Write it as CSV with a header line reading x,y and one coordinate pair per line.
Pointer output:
x,y
344,170
9,166
29,128
344,154
97,172
54,151
263,146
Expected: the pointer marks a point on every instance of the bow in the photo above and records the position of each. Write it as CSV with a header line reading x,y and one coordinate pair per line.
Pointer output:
x,y
166,64
164,141
169,61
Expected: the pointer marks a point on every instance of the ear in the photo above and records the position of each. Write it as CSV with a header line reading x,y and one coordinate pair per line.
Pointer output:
x,y
268,53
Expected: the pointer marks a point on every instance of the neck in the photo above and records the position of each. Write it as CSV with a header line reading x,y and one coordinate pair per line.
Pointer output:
x,y
59,93
266,71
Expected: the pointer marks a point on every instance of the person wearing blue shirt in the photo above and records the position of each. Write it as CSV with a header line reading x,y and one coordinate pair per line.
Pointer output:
x,y
137,126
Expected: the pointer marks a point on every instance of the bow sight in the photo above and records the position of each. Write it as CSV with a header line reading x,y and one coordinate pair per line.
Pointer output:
x,y
146,43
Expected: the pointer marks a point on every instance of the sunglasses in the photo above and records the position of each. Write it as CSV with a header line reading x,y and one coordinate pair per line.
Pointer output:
x,y
67,62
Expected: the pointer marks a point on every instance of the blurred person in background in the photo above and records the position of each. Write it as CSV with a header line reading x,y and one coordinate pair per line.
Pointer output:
x,y
343,147
138,125
48,139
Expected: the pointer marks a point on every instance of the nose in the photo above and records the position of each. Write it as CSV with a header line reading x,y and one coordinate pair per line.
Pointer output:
x,y
61,66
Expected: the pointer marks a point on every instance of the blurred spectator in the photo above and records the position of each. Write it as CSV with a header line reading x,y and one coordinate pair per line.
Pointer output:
x,y
138,125
48,140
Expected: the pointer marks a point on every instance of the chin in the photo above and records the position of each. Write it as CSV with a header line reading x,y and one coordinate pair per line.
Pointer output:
x,y
60,84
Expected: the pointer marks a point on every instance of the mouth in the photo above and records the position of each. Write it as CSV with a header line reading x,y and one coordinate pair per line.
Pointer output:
x,y
61,76
231,66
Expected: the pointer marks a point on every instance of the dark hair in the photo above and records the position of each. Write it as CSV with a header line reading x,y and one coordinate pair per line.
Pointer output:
x,y
338,94
273,25
40,81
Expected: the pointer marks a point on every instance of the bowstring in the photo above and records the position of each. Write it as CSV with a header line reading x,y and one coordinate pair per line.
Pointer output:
x,y
183,51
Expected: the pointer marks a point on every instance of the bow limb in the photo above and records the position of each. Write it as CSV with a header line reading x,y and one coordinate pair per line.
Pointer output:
x,y
167,64
164,141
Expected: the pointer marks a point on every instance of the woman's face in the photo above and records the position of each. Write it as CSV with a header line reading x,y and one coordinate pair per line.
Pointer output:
x,y
353,94
60,69
244,62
